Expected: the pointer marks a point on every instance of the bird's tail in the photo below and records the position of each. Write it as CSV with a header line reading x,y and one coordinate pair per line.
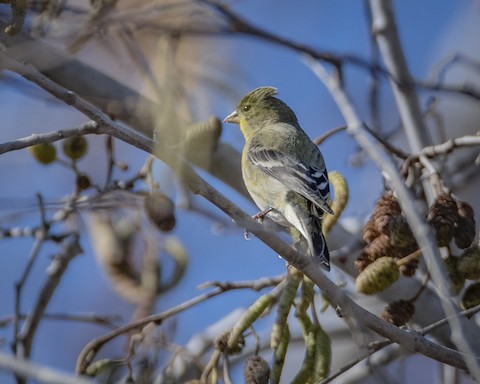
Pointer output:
x,y
307,235
319,250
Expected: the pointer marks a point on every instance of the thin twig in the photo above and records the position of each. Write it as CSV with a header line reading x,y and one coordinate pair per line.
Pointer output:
x,y
320,139
38,373
37,246
71,248
89,352
450,145
50,137
106,321
256,285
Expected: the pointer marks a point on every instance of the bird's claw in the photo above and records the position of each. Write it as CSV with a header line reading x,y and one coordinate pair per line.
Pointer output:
x,y
260,216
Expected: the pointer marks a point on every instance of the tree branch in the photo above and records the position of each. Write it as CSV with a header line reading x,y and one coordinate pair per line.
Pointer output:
x,y
71,248
422,233
385,29
39,373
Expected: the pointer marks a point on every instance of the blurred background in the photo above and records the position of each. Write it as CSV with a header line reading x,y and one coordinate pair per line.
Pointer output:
x,y
193,75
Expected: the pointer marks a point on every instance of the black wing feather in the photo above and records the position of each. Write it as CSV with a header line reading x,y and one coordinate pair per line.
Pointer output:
x,y
307,180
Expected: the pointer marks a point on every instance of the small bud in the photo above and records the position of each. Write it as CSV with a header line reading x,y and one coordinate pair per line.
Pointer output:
x,y
83,181
99,366
471,297
161,211
408,269
378,276
256,371
465,229
399,312
221,344
44,153
75,147
443,216
458,278
469,263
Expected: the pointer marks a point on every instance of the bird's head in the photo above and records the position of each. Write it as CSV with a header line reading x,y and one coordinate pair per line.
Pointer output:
x,y
258,109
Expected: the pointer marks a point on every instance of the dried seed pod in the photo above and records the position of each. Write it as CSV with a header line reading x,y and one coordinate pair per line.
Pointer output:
x,y
75,147
378,276
443,216
221,344
465,229
363,261
458,278
399,312
469,263
400,233
381,247
161,211
370,232
387,207
44,153
256,371
471,297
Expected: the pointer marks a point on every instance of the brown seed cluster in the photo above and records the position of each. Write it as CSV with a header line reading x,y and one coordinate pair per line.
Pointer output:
x,y
391,250
464,233
387,234
452,219
399,312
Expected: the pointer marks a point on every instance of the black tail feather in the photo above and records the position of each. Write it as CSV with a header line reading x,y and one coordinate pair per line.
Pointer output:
x,y
320,250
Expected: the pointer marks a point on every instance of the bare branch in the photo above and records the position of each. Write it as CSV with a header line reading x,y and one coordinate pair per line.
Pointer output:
x,y
450,145
50,137
89,352
385,29
71,248
38,373
422,233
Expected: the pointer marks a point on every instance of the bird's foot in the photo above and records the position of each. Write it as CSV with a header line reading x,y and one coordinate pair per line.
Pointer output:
x,y
260,216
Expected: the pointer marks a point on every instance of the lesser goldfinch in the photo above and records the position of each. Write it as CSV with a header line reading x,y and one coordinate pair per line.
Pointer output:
x,y
283,169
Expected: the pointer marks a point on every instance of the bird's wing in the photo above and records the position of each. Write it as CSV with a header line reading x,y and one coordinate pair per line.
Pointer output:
x,y
308,180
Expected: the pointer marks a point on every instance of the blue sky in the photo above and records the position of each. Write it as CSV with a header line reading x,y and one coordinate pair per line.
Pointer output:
x,y
338,26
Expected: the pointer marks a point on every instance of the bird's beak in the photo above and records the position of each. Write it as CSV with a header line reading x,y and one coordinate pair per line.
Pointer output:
x,y
232,118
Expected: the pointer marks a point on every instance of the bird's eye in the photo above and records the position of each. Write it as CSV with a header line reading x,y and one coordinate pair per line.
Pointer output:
x,y
246,108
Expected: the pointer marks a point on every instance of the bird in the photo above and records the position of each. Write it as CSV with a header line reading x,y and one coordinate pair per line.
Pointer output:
x,y
283,170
